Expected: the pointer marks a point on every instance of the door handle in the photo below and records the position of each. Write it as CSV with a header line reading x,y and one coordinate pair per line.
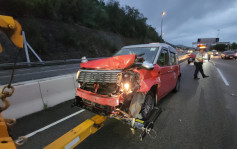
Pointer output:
x,y
170,71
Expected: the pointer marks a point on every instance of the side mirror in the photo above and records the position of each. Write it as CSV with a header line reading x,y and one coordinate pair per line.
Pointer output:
x,y
147,65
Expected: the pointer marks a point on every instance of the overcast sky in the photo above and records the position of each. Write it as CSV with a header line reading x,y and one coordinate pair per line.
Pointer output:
x,y
187,20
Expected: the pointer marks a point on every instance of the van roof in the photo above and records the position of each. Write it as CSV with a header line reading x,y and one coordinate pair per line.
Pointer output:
x,y
151,45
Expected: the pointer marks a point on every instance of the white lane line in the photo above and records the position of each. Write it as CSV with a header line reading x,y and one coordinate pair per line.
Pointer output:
x,y
214,63
23,69
52,124
223,77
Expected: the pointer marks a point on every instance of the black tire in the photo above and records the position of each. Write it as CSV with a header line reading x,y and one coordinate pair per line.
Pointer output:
x,y
148,105
177,86
188,62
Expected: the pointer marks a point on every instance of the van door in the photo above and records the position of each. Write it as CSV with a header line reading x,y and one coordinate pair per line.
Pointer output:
x,y
174,70
164,73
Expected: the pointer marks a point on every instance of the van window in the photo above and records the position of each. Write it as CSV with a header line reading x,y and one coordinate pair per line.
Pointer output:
x,y
163,59
173,58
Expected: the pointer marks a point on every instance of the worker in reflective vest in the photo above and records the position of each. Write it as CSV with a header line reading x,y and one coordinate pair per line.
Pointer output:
x,y
198,64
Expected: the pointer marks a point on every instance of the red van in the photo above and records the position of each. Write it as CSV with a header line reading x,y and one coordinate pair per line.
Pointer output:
x,y
129,84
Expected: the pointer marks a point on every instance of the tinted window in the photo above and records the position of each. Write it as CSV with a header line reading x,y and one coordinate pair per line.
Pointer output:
x,y
148,53
163,59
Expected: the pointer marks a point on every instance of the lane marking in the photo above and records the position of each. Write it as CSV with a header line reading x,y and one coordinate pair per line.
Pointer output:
x,y
223,77
23,69
52,124
214,63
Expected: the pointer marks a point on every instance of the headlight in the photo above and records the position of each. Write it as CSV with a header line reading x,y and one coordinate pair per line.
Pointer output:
x,y
126,86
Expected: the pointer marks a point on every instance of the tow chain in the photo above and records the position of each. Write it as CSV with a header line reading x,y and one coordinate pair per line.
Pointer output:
x,y
4,94
8,90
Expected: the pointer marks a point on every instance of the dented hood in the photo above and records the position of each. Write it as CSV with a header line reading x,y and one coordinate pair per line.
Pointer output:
x,y
116,62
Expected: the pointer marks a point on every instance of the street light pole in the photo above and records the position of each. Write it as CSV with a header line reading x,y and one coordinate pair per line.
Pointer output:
x,y
218,32
162,16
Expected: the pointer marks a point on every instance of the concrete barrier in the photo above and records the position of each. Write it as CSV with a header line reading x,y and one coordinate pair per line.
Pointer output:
x,y
25,100
57,90
33,96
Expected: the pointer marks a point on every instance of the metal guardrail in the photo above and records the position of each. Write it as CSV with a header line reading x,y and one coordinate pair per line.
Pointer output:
x,y
6,66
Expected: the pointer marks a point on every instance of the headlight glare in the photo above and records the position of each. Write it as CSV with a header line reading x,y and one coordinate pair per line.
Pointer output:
x,y
126,86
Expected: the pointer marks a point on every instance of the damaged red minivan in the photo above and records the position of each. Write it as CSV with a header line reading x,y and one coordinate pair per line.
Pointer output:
x,y
129,84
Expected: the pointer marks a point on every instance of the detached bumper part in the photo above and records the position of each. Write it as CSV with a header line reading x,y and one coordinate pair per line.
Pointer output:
x,y
100,99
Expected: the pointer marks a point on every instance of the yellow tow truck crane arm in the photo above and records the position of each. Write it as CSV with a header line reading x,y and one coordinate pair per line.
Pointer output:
x,y
13,31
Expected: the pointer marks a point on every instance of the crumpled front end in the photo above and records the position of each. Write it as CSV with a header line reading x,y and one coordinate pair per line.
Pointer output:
x,y
108,86
107,92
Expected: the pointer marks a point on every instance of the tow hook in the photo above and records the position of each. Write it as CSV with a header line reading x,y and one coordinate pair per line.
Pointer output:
x,y
148,126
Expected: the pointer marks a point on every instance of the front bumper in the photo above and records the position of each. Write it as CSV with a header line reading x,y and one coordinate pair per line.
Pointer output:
x,y
230,56
96,98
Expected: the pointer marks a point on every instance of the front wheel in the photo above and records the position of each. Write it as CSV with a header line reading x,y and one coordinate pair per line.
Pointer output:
x,y
148,105
142,105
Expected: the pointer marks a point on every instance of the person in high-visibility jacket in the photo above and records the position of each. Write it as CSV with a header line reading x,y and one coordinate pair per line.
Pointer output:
x,y
198,64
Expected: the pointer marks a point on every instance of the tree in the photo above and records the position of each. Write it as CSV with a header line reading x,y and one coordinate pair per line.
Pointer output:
x,y
233,46
220,47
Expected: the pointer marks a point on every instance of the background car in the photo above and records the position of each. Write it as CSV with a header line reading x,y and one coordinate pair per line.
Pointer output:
x,y
192,57
215,53
205,55
235,56
190,51
228,55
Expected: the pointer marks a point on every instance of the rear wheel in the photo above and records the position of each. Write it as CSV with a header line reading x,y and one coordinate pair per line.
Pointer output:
x,y
177,86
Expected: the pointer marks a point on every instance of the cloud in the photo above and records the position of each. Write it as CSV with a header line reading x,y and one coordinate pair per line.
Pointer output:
x,y
187,20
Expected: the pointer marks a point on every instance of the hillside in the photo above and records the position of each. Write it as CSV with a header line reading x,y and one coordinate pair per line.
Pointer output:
x,y
60,30
57,41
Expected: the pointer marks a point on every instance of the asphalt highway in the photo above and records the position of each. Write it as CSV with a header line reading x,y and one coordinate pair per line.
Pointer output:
x,y
202,115
27,74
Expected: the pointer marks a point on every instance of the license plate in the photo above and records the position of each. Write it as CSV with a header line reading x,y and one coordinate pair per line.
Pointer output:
x,y
231,57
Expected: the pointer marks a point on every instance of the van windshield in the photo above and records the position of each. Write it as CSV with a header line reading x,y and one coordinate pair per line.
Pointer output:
x,y
148,53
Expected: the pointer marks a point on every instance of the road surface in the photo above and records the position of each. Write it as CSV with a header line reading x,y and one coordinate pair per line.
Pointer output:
x,y
27,74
